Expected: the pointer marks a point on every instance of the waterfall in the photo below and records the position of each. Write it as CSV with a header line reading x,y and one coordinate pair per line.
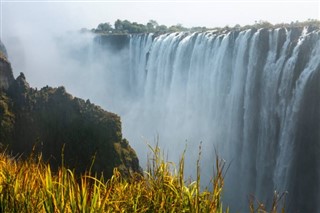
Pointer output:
x,y
252,95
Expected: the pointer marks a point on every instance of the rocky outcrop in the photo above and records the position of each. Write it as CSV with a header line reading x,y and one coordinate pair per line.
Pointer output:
x,y
3,50
60,126
6,76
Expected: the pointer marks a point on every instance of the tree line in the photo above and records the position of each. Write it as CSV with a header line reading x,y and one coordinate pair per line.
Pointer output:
x,y
127,27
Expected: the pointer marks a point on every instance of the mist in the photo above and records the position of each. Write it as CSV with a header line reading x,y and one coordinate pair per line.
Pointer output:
x,y
76,61
91,70
52,51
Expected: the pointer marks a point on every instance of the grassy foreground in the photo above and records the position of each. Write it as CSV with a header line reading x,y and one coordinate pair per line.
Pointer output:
x,y
31,186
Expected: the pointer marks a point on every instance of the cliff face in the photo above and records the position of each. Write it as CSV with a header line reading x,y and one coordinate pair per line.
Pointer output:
x,y
3,50
113,42
6,76
55,123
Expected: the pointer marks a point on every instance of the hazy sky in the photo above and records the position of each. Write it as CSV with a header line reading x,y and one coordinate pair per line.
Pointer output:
x,y
27,27
54,16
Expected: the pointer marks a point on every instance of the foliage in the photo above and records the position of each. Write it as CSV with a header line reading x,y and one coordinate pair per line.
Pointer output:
x,y
152,26
177,28
126,27
31,186
310,23
104,27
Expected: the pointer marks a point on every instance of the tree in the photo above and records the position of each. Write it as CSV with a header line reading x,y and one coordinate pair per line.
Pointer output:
x,y
162,28
263,24
105,27
118,25
152,25
177,28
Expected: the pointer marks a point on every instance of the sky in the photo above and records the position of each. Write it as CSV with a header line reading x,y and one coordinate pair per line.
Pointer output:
x,y
28,26
59,15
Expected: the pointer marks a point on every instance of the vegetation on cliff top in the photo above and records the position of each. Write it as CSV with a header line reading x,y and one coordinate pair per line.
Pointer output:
x,y
127,27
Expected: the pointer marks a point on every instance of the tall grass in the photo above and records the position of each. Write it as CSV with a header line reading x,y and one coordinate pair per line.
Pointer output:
x,y
277,205
31,186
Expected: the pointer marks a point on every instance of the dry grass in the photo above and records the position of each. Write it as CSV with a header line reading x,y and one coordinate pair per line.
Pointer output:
x,y
31,186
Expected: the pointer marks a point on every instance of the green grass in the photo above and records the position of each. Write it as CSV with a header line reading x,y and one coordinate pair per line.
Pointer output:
x,y
31,186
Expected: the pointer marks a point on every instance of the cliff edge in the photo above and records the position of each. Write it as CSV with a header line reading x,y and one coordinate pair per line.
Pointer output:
x,y
6,75
55,123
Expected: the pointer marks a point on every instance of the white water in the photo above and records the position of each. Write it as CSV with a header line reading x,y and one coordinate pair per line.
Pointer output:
x,y
238,93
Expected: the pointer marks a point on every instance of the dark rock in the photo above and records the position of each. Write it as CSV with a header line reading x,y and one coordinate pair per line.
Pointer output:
x,y
113,42
53,122
6,75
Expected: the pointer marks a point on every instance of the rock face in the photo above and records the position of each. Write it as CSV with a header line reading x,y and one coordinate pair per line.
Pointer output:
x,y
113,42
6,76
56,124
3,49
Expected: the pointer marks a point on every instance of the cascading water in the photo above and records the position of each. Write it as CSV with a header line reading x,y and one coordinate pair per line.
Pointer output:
x,y
252,95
